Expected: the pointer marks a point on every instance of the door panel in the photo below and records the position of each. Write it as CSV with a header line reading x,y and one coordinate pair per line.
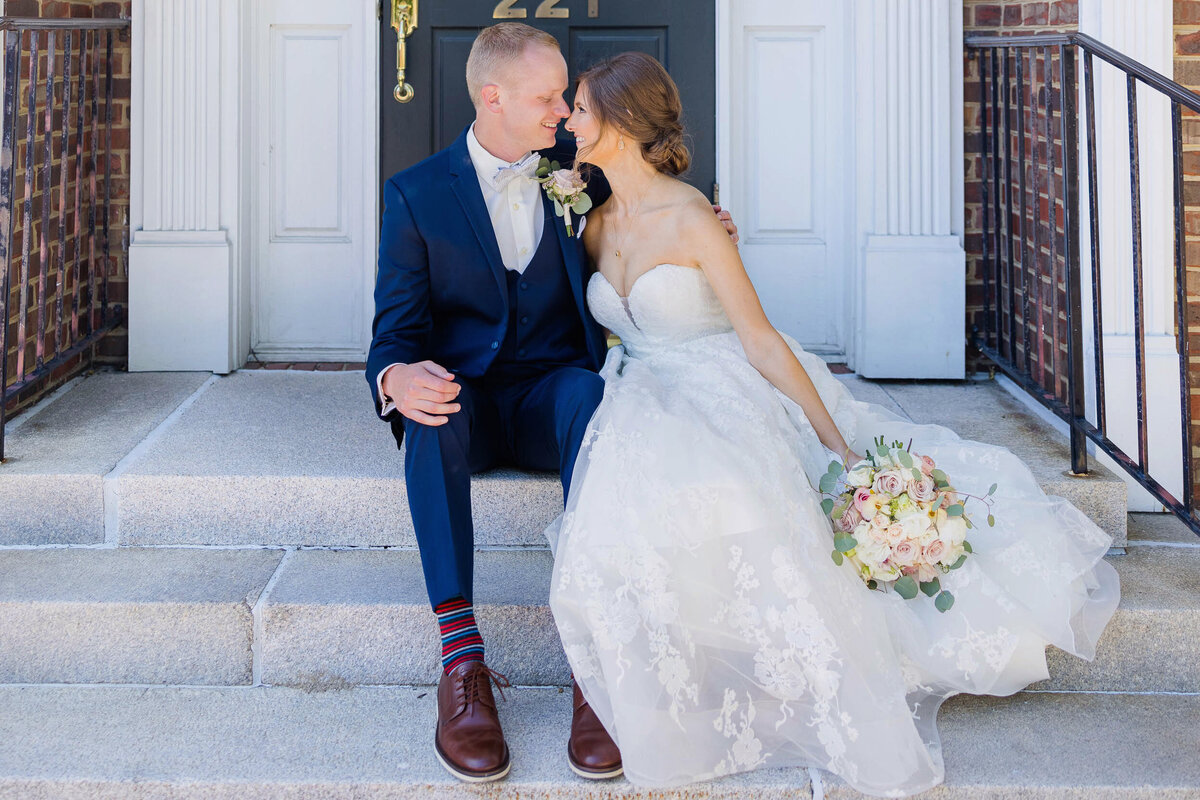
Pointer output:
x,y
789,155
313,218
680,33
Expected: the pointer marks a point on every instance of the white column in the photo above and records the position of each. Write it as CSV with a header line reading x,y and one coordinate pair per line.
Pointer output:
x,y
912,296
184,288
1144,32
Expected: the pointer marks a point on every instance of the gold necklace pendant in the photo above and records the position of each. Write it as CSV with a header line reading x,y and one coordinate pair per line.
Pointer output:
x,y
618,253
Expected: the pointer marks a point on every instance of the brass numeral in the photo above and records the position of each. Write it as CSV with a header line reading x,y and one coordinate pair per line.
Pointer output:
x,y
504,10
546,10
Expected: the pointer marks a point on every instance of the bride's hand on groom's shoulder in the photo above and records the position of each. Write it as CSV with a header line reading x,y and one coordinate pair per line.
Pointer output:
x,y
727,221
424,392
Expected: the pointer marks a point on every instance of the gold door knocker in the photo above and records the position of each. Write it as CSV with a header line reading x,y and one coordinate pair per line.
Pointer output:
x,y
404,22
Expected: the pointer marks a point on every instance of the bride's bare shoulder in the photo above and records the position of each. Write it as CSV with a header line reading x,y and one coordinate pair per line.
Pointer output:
x,y
689,206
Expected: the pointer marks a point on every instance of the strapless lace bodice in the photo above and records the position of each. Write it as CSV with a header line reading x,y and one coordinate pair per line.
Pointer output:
x,y
667,306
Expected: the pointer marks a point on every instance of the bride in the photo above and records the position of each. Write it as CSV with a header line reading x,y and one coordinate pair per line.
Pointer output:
x,y
693,586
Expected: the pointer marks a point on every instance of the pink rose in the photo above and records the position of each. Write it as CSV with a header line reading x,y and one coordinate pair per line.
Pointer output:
x,y
927,464
926,572
850,519
934,551
905,554
889,482
878,534
895,534
921,491
880,521
566,182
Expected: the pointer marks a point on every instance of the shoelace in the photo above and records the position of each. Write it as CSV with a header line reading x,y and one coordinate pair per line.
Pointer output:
x,y
473,685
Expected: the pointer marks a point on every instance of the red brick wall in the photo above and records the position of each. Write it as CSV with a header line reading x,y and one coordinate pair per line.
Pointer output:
x,y
112,348
1187,72
1042,270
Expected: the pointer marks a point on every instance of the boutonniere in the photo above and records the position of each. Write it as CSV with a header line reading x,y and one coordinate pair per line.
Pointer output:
x,y
566,188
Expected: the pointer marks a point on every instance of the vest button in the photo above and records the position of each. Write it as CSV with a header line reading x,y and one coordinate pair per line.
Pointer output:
x,y
524,284
495,345
521,352
525,320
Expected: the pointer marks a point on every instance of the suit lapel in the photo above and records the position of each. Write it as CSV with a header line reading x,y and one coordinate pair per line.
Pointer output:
x,y
465,184
570,247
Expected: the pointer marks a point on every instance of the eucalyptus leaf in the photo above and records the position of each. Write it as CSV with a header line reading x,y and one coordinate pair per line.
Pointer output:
x,y
555,166
961,560
954,510
558,209
905,458
993,489
943,602
840,511
828,482
939,476
917,474
837,557
991,521
872,585
835,468
583,204
882,450
930,588
906,587
844,542
827,505
967,547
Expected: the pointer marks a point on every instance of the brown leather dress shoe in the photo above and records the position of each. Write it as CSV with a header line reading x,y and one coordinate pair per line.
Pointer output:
x,y
468,741
591,752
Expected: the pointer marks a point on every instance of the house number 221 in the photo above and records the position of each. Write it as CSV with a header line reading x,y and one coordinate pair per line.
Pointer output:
x,y
547,9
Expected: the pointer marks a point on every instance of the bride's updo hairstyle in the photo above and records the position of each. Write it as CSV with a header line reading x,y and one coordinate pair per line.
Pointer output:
x,y
633,93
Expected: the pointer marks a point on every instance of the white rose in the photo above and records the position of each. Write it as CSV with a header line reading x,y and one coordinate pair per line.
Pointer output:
x,y
860,476
952,529
915,525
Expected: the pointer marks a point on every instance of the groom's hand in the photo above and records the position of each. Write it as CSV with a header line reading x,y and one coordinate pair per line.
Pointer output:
x,y
423,392
727,221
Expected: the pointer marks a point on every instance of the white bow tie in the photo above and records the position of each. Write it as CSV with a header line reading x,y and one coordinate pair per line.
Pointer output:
x,y
525,168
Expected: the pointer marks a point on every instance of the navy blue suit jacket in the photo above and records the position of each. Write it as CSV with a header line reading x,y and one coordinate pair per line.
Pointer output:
x,y
441,292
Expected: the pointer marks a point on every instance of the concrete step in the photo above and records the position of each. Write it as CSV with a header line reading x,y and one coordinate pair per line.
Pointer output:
x,y
299,459
83,743
52,478
320,619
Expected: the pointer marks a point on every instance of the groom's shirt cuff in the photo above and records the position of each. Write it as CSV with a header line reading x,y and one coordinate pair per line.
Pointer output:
x,y
386,404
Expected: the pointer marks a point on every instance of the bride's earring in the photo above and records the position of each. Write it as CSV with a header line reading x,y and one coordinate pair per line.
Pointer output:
x,y
620,142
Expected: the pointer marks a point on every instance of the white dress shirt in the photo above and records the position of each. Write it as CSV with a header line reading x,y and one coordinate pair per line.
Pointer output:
x,y
516,214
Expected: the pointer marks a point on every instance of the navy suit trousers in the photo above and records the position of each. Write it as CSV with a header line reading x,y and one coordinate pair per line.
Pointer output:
x,y
524,417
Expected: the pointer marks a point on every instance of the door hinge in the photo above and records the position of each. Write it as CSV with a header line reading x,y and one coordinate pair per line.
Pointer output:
x,y
379,10
716,193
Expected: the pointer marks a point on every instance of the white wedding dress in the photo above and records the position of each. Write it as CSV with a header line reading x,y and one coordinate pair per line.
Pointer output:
x,y
694,590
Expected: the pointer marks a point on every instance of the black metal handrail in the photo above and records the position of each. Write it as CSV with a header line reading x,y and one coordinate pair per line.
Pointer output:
x,y
998,338
82,313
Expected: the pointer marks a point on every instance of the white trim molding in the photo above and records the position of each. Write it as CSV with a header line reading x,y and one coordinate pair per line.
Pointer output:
x,y
909,116
184,188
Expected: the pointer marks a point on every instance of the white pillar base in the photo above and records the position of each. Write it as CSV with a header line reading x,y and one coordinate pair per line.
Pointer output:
x,y
180,302
913,308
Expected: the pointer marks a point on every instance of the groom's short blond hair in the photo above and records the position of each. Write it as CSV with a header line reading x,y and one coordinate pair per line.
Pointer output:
x,y
498,46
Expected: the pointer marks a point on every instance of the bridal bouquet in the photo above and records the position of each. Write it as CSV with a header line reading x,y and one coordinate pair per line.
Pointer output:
x,y
899,521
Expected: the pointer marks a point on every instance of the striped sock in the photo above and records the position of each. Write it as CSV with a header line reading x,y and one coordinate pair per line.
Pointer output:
x,y
461,641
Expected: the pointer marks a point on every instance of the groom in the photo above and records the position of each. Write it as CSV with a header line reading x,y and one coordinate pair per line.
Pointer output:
x,y
484,353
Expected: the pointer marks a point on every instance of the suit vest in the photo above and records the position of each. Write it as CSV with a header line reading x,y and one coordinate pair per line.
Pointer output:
x,y
544,328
